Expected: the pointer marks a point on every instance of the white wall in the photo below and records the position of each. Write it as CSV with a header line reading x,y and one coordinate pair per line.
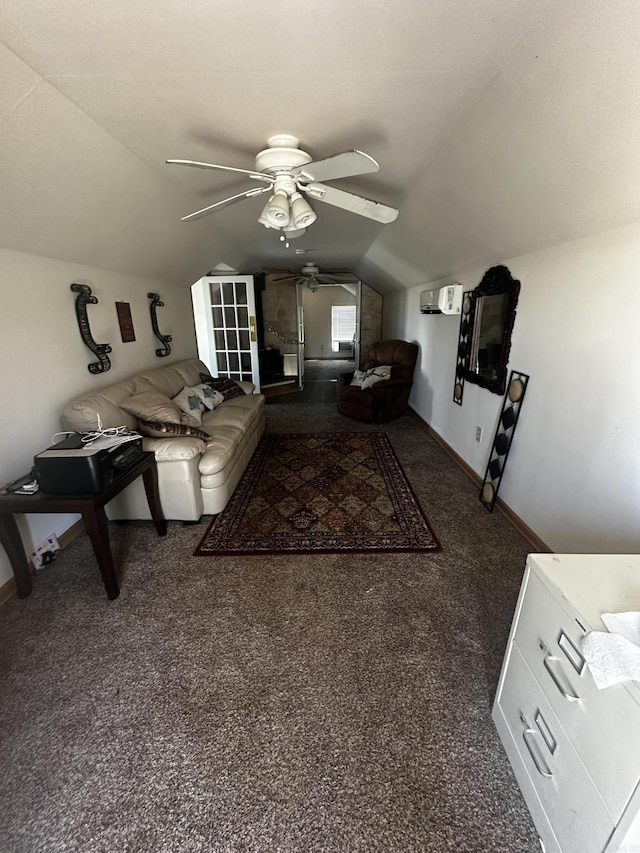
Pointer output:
x,y
43,361
573,473
317,319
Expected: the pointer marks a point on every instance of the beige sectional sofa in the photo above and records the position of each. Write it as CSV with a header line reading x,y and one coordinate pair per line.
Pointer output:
x,y
195,476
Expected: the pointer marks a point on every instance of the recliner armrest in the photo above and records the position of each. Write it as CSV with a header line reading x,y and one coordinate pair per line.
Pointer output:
x,y
390,383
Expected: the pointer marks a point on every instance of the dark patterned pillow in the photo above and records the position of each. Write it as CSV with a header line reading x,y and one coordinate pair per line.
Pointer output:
x,y
227,387
156,429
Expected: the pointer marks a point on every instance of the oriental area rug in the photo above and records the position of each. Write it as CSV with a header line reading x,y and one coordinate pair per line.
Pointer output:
x,y
325,493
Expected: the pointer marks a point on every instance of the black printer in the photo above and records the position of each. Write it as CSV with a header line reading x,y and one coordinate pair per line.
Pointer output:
x,y
77,467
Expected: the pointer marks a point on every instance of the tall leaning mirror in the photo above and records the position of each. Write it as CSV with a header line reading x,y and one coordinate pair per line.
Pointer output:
x,y
492,313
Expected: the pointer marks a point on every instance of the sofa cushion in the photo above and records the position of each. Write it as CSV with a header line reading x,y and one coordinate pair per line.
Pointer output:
x,y
240,413
227,387
227,425
221,448
171,378
191,405
209,396
179,449
158,429
152,405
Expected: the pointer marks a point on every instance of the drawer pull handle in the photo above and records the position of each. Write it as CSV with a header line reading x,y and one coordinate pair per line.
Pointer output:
x,y
541,767
545,731
570,697
571,653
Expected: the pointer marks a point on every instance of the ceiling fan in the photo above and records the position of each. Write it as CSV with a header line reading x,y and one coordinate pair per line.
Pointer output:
x,y
286,172
311,276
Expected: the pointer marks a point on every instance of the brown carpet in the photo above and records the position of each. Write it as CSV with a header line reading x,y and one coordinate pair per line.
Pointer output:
x,y
327,493
336,703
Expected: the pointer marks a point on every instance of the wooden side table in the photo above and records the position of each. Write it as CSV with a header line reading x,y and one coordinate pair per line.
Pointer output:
x,y
91,508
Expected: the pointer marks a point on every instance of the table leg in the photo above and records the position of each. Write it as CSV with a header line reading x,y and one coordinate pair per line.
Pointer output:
x,y
95,522
10,538
150,480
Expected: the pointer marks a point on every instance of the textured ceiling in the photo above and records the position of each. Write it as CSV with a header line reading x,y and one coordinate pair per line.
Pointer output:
x,y
500,127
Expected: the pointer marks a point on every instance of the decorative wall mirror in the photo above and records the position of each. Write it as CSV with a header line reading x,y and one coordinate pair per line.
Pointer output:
x,y
491,317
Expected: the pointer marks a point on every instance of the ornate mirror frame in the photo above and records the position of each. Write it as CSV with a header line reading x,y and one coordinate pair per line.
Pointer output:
x,y
497,281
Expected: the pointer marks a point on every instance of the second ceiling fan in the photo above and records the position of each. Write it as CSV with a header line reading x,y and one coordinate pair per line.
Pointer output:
x,y
311,276
286,172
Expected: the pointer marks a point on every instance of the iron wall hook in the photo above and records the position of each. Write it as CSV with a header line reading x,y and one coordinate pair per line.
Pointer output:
x,y
100,350
164,339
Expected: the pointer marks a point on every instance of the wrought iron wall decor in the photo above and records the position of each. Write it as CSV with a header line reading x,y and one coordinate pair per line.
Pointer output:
x,y
100,350
156,302
504,436
491,318
463,347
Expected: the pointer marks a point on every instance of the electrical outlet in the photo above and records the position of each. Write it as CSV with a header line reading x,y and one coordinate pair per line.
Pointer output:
x,y
478,433
46,552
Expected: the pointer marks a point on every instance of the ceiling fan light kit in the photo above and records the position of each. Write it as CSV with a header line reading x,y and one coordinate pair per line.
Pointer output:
x,y
276,211
302,213
289,172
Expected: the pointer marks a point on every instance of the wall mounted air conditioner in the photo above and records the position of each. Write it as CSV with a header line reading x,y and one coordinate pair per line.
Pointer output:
x,y
444,300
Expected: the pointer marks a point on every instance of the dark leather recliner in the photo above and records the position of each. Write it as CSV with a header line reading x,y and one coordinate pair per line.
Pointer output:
x,y
388,398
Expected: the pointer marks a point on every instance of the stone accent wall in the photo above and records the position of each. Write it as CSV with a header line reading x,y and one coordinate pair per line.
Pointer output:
x,y
370,320
279,312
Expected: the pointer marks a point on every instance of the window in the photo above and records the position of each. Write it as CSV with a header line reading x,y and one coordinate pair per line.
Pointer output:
x,y
343,326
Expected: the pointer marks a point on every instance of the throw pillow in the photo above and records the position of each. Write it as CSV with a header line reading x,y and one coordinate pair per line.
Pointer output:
x,y
152,406
209,396
190,404
227,387
376,374
358,376
155,429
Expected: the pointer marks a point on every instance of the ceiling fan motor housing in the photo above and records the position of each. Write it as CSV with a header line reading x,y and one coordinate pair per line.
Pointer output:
x,y
282,156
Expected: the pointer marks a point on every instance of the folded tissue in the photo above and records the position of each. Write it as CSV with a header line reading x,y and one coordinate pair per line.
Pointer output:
x,y
615,656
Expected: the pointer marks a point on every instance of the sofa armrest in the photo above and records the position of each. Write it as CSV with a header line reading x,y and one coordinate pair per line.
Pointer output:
x,y
175,449
247,387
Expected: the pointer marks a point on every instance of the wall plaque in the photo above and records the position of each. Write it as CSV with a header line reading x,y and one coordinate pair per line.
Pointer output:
x,y
126,323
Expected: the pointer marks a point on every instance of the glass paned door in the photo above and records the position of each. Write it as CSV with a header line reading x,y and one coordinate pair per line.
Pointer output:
x,y
224,313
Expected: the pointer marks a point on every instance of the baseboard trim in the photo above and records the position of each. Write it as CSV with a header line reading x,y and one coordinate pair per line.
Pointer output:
x,y
523,529
8,589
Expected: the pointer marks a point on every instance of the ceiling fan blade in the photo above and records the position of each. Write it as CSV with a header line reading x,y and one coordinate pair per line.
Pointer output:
x,y
328,278
225,203
354,203
343,165
280,278
258,176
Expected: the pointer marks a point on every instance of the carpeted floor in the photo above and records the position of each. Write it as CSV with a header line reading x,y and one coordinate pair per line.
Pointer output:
x,y
325,703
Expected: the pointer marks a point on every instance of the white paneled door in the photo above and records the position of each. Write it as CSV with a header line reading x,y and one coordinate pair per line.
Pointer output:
x,y
225,319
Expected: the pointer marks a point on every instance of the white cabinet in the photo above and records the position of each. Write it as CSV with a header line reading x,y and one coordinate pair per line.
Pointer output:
x,y
574,749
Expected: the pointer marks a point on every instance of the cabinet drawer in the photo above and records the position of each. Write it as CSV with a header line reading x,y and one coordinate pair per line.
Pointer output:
x,y
603,725
572,805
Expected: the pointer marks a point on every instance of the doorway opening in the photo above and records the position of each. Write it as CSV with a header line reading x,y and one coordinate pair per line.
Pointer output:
x,y
331,321
300,327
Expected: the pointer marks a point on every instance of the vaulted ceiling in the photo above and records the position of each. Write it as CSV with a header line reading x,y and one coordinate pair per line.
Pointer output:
x,y
500,127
